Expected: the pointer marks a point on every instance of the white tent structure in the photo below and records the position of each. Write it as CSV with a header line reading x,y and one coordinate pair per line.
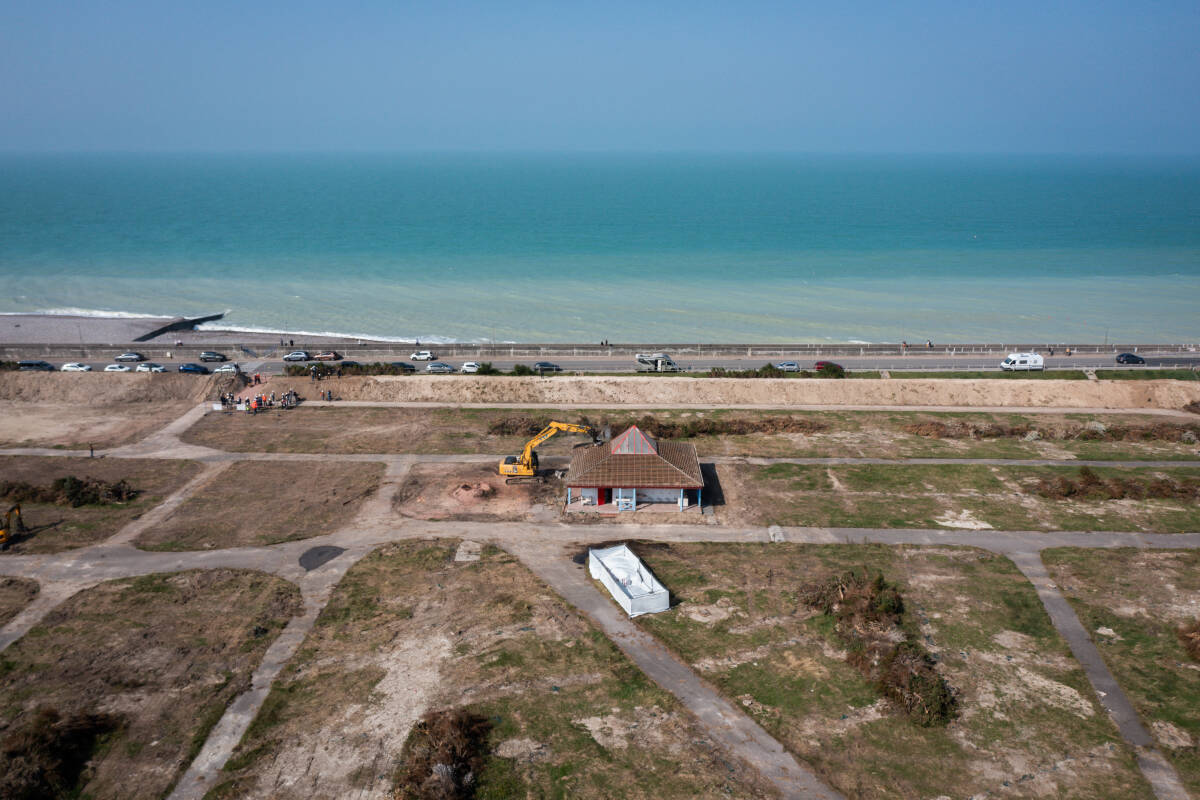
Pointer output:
x,y
632,585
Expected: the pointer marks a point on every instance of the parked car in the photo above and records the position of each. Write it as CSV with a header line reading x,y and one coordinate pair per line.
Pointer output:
x,y
788,366
118,368
328,355
546,366
297,355
209,355
231,367
130,356
75,366
403,366
439,367
469,367
150,366
424,355
820,365
35,366
1130,358
193,369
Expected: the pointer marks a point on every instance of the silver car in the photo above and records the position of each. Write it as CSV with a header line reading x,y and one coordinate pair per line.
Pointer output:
x,y
150,366
788,366
439,367
75,366
118,368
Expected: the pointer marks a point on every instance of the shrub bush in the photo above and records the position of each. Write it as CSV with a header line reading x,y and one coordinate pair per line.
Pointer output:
x,y
47,754
443,756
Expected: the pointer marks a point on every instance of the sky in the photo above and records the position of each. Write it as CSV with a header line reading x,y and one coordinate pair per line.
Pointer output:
x,y
1019,76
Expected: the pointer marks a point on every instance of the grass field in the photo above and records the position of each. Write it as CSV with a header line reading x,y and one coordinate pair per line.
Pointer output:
x,y
945,496
1134,602
409,630
1028,723
254,503
882,434
60,527
162,654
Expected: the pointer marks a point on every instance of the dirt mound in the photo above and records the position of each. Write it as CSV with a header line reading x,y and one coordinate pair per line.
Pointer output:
x,y
92,388
766,391
473,492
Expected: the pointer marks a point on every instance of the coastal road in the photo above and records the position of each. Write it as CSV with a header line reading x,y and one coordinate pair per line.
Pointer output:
x,y
918,362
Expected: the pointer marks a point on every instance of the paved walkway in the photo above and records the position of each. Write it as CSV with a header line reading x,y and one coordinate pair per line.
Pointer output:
x,y
543,548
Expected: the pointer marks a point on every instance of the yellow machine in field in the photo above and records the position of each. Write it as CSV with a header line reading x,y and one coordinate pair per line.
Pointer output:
x,y
524,468
13,526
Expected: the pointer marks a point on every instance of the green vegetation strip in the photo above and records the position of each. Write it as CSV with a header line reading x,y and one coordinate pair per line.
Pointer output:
x,y
1139,606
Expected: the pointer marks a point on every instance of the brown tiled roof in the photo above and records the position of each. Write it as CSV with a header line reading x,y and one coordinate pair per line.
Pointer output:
x,y
675,466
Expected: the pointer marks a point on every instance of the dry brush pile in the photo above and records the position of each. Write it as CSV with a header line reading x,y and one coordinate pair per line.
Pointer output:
x,y
1189,635
69,491
443,757
868,616
1087,485
670,429
48,755
1091,432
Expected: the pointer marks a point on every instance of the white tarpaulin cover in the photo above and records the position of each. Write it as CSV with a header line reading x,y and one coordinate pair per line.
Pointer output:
x,y
632,585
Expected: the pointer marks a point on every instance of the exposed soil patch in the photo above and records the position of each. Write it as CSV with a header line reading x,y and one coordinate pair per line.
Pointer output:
x,y
15,594
264,502
1144,606
53,527
1027,726
409,630
471,492
76,427
162,654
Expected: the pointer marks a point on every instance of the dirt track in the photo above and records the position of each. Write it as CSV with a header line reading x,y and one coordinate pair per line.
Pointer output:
x,y
718,391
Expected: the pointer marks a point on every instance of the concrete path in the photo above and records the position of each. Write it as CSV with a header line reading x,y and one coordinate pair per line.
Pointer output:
x,y
50,595
733,731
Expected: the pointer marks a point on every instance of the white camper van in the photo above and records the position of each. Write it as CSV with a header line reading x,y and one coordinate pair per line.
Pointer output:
x,y
1023,361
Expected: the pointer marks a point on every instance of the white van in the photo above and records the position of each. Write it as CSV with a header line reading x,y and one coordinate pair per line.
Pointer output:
x,y
1023,361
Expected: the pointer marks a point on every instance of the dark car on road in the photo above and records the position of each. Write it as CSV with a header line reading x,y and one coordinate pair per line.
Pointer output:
x,y
130,356
1130,358
349,363
35,366
297,355
403,366
209,355
546,366
194,369
328,355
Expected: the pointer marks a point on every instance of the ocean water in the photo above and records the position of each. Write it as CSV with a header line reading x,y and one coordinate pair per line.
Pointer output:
x,y
667,248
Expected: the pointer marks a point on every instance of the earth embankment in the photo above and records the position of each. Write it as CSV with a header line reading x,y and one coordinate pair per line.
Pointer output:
x,y
99,388
734,392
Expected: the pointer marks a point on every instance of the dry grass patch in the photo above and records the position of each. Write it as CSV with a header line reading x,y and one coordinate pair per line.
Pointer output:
x,y
1028,724
53,527
1140,606
15,594
969,496
159,657
75,427
265,502
408,631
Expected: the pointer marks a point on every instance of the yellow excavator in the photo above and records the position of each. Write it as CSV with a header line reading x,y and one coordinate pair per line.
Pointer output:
x,y
524,468
13,526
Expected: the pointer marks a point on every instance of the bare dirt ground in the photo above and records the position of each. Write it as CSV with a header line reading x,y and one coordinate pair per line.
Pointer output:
x,y
730,392
409,630
15,594
885,434
1134,603
60,527
1027,726
472,492
164,654
255,503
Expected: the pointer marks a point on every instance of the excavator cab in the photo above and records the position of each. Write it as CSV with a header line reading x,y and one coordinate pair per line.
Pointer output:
x,y
524,468
13,527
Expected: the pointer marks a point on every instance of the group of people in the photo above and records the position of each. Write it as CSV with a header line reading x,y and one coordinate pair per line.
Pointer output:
x,y
261,402
316,373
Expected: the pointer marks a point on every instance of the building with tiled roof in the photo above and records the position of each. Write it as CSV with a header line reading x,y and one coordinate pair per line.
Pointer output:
x,y
635,469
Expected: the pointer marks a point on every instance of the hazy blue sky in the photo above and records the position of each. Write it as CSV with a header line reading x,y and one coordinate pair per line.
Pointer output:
x,y
1023,76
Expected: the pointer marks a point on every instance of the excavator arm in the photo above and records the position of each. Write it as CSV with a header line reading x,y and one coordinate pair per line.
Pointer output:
x,y
525,465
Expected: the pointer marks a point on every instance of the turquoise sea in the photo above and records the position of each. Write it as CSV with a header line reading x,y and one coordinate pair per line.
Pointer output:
x,y
666,248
